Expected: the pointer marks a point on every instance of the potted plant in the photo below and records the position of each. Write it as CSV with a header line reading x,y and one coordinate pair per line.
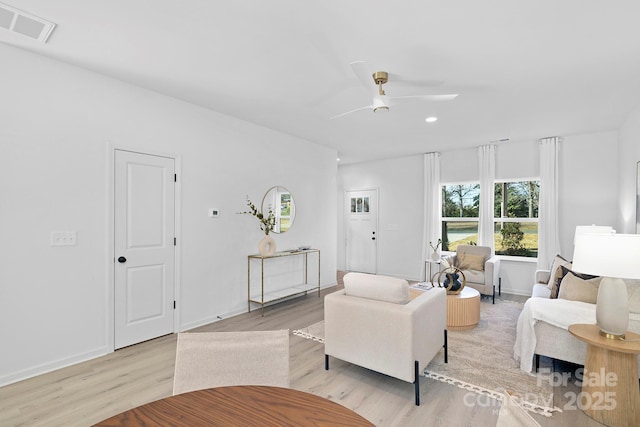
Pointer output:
x,y
267,245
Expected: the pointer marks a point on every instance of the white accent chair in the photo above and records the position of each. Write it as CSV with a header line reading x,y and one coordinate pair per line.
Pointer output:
x,y
373,323
217,359
480,267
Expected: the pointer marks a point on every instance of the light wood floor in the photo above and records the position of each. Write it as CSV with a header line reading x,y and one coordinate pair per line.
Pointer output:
x,y
86,393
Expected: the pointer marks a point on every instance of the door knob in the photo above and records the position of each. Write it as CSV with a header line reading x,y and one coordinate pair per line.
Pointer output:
x,y
122,260
373,238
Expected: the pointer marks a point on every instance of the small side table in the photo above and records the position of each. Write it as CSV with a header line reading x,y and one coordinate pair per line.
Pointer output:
x,y
430,262
463,310
610,393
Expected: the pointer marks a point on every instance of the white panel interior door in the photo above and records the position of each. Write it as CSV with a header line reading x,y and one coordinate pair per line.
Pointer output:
x,y
362,223
144,264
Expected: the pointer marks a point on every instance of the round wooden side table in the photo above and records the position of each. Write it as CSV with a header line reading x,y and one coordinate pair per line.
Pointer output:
x,y
463,310
610,393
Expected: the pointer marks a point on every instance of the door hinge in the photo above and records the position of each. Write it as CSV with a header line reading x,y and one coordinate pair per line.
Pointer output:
x,y
174,305
175,241
175,177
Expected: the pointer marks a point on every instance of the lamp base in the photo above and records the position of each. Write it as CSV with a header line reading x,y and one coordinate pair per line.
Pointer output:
x,y
612,308
611,336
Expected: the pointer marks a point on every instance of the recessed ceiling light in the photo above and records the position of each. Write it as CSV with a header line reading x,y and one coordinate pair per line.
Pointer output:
x,y
431,119
338,159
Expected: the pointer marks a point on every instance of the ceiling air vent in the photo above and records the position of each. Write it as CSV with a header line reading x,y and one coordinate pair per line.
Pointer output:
x,y
24,23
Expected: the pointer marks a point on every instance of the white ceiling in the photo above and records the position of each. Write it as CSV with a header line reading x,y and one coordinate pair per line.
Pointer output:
x,y
523,69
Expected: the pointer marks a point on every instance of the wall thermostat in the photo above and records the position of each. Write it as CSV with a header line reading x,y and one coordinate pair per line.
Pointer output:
x,y
214,213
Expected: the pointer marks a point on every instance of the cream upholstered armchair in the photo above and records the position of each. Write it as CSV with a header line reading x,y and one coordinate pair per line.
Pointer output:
x,y
374,323
480,268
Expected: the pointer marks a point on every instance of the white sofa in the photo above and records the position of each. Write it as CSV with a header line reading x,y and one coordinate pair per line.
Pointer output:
x,y
374,323
543,324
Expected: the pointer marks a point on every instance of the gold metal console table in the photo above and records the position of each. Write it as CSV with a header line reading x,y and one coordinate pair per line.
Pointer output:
x,y
263,297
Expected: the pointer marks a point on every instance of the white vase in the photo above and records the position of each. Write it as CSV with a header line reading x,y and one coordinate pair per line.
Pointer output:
x,y
435,256
267,246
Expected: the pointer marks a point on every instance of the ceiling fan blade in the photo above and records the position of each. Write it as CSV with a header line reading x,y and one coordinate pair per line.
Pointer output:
x,y
368,107
360,70
445,97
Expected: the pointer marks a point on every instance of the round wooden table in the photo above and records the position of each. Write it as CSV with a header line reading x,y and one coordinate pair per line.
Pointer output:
x,y
463,310
610,392
239,406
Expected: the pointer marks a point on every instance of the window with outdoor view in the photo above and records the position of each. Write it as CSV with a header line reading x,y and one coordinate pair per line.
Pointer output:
x,y
515,217
460,205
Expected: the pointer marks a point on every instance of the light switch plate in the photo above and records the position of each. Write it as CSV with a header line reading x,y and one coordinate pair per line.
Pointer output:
x,y
63,238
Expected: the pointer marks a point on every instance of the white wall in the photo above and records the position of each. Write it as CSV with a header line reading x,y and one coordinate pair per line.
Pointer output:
x,y
587,194
628,159
588,184
57,124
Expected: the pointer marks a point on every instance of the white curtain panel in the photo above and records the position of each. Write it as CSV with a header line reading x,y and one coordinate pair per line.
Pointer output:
x,y
548,238
432,213
487,159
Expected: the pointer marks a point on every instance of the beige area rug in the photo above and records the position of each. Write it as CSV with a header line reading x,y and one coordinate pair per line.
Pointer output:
x,y
481,359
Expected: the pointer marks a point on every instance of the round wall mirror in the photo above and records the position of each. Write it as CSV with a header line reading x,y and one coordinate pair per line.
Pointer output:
x,y
280,201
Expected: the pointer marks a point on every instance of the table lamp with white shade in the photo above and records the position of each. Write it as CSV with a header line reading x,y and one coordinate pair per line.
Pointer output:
x,y
615,257
593,229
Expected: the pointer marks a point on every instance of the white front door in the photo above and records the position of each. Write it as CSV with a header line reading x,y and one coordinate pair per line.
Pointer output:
x,y
144,258
362,225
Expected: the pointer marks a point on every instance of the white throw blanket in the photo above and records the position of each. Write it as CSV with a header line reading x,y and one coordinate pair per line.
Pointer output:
x,y
556,312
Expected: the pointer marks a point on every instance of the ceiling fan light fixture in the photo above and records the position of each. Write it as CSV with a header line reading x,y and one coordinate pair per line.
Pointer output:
x,y
380,104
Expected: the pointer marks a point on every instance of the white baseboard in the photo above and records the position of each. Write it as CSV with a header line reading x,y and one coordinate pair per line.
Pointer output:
x,y
514,292
237,311
51,366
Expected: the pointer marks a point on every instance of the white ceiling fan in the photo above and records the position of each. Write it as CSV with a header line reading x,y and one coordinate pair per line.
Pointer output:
x,y
381,101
